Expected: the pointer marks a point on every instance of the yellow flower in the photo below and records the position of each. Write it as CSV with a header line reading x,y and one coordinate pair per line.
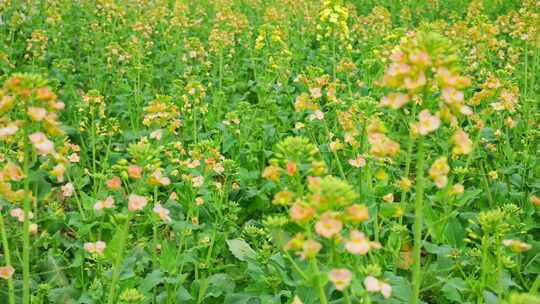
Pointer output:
x,y
462,143
517,245
310,249
358,213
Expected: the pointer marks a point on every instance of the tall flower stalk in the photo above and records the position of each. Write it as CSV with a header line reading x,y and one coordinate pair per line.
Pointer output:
x,y
421,68
28,108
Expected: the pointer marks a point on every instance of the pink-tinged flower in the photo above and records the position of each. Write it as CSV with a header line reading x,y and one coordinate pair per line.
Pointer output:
x,y
108,203
441,181
33,229
301,212
100,247
193,164
114,183
310,248
97,247
59,105
386,290
67,190
372,284
420,58
317,115
292,168
74,158
197,181
358,213
19,214
218,168
413,84
157,178
394,100
397,56
58,172
315,92
6,272
427,122
13,172
8,131
358,162
358,244
517,245
136,202
41,143
134,171
90,247
462,143
162,212
36,114
173,196
452,96
156,134
341,277
199,201
328,226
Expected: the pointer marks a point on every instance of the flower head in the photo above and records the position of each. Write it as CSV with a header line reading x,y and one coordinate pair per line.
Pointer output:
x,y
341,277
136,202
328,226
41,143
67,190
427,122
310,248
358,162
114,183
6,272
162,212
95,248
134,171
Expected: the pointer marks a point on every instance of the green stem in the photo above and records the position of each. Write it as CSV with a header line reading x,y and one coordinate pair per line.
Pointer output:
x,y
118,261
7,257
26,225
485,267
320,287
536,284
418,217
346,297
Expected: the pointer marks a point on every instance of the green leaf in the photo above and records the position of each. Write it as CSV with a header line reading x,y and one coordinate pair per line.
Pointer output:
x,y
219,284
151,280
240,249
452,289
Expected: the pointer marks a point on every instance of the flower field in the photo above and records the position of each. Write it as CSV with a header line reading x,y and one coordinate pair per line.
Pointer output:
x,y
270,151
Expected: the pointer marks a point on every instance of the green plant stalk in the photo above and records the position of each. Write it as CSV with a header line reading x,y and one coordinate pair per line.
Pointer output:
x,y
320,287
485,267
7,257
418,218
204,287
536,284
118,261
486,184
26,224
346,297
338,161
